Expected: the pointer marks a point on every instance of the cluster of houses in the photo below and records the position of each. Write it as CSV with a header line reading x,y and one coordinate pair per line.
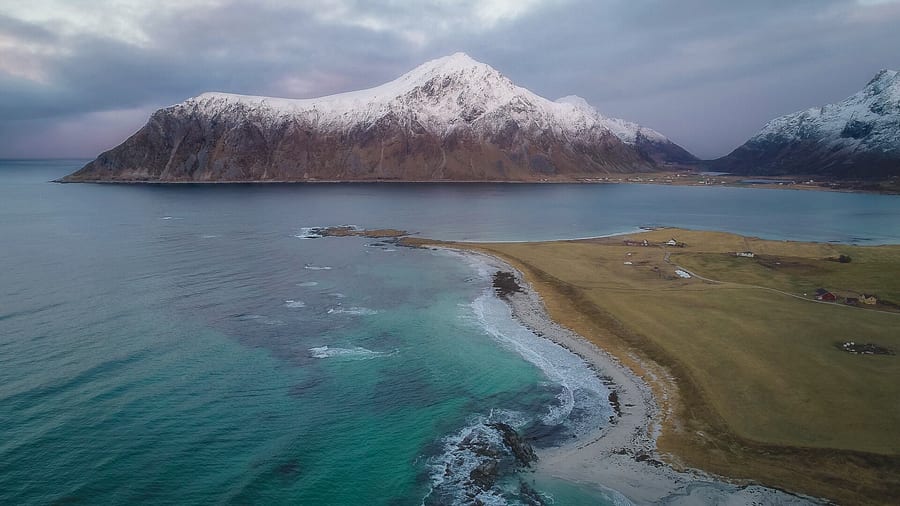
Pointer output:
x,y
645,243
865,298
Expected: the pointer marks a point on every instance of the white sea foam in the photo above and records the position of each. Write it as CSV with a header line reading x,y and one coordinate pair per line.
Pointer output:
x,y
316,267
306,284
583,392
309,233
583,400
462,452
361,311
208,236
355,353
294,304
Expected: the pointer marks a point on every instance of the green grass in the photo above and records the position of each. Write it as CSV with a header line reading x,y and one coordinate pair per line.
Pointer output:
x,y
762,391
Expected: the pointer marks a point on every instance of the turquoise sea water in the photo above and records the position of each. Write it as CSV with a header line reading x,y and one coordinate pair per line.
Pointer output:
x,y
182,345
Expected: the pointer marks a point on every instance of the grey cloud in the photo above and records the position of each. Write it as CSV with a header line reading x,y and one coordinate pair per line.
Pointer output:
x,y
26,31
706,73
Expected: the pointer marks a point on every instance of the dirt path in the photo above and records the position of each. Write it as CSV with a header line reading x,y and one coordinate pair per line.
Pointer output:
x,y
666,259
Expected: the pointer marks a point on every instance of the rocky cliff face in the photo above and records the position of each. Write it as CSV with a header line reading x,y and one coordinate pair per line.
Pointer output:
x,y
856,138
449,119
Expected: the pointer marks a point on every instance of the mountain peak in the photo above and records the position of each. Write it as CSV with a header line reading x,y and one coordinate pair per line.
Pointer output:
x,y
457,64
884,75
856,137
885,79
458,59
450,118
576,101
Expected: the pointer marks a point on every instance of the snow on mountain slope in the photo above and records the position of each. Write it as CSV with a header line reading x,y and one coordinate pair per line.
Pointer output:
x,y
452,118
867,119
625,130
859,136
441,95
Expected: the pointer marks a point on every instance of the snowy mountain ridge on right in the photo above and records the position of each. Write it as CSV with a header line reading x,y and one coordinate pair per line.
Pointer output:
x,y
856,138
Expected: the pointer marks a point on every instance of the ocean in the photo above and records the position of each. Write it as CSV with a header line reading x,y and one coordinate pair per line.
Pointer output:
x,y
187,344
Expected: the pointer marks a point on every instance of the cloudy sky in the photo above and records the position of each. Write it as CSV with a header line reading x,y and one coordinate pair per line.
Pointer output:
x,y
78,76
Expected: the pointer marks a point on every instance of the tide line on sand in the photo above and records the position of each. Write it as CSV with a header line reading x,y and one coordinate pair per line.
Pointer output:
x,y
622,456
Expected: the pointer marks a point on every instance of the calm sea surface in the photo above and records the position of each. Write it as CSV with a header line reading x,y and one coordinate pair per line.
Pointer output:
x,y
185,345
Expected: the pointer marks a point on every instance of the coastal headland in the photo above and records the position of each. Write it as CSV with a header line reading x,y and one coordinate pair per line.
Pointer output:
x,y
763,362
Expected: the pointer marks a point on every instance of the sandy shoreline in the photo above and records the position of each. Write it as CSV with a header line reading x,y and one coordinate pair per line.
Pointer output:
x,y
623,456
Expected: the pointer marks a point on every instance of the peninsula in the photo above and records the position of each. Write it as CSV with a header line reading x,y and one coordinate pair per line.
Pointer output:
x,y
770,362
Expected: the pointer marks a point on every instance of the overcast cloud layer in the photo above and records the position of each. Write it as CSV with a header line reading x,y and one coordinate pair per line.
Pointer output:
x,y
77,78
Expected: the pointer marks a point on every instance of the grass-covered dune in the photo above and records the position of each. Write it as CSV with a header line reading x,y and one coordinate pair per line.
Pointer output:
x,y
747,366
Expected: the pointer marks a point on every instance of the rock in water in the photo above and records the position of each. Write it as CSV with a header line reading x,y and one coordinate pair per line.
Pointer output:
x,y
449,119
486,474
521,450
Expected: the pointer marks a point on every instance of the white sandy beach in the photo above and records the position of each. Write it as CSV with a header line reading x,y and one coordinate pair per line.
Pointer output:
x,y
623,456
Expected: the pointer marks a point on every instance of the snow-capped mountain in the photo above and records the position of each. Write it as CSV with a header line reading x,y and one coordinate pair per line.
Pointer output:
x,y
449,119
858,137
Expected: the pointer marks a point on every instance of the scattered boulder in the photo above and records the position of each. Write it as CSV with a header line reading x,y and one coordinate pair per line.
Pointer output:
x,y
643,457
521,450
530,496
614,402
505,284
485,474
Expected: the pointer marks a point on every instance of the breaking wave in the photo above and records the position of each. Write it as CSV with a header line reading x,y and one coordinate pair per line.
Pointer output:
x,y
583,401
361,311
355,353
294,304
474,461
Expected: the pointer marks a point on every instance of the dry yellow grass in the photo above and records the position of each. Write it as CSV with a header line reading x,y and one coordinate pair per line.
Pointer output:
x,y
751,378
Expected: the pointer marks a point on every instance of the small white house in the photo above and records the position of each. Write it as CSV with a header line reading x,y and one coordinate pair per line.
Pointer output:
x,y
671,242
746,254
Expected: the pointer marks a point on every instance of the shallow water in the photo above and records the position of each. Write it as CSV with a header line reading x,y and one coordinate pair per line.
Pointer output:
x,y
181,345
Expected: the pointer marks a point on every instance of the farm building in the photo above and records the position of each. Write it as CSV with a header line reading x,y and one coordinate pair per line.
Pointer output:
x,y
826,296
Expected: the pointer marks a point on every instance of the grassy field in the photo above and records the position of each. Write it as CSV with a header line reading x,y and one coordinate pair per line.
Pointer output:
x,y
746,368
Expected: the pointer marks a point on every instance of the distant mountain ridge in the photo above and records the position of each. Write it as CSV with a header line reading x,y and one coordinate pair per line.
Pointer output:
x,y
449,119
856,138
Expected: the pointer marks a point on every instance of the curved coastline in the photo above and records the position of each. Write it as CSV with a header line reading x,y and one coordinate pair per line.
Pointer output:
x,y
623,456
